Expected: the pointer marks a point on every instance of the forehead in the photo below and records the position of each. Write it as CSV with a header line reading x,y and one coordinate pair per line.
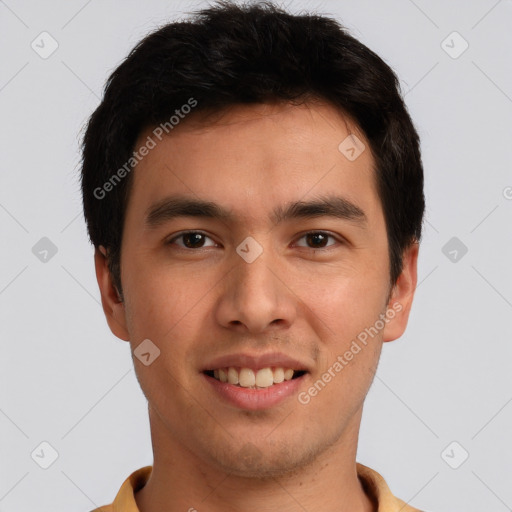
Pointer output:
x,y
251,158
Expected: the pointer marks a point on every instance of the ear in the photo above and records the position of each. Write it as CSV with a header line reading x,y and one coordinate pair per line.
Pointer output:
x,y
402,294
113,307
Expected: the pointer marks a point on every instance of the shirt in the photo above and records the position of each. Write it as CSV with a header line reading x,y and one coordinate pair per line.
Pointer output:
x,y
373,484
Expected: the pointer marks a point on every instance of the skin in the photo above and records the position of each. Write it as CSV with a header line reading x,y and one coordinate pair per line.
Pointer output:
x,y
308,302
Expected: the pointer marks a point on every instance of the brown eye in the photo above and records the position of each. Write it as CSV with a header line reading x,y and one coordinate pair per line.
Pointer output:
x,y
316,240
192,240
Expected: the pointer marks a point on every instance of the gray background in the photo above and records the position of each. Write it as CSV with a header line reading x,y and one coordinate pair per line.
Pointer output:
x,y
68,381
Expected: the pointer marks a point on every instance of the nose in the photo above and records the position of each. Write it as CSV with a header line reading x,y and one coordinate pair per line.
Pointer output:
x,y
256,298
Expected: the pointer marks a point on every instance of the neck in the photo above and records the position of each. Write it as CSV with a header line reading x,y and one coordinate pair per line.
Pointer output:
x,y
180,481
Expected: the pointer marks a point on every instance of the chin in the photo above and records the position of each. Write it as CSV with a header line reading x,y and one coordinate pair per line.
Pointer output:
x,y
264,463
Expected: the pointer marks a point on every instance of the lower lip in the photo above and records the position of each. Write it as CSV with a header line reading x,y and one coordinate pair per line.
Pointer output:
x,y
255,399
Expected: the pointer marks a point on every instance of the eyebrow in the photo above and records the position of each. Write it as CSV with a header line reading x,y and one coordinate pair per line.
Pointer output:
x,y
182,206
330,206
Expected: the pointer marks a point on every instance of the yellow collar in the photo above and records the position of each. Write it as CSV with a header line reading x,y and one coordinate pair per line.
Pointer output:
x,y
373,483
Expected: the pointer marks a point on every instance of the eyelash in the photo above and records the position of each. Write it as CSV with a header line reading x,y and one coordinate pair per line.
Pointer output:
x,y
329,235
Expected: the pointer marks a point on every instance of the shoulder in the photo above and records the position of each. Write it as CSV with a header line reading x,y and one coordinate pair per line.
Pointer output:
x,y
125,498
377,489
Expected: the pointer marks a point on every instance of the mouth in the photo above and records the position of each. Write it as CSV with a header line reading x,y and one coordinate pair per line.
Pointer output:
x,y
250,378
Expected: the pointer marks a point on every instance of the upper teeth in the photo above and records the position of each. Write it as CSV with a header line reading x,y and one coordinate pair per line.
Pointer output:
x,y
247,378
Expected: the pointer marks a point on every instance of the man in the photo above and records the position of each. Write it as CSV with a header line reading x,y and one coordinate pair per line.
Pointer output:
x,y
253,187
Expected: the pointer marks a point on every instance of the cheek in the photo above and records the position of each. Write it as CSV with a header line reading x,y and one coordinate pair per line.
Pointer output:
x,y
347,304
167,310
161,302
345,313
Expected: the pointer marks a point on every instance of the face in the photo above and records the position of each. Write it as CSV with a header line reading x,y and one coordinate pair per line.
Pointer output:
x,y
286,266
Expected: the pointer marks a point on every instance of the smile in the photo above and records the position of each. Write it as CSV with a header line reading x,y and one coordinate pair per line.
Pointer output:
x,y
249,378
